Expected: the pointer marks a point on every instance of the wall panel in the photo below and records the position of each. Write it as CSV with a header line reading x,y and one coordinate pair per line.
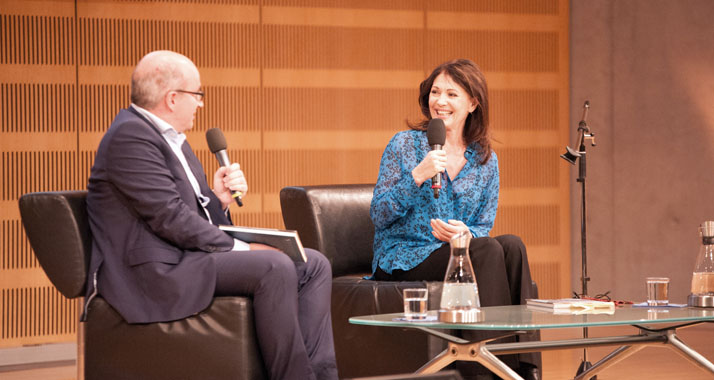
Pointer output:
x,y
18,254
350,4
38,141
309,109
31,107
231,109
109,42
515,110
306,91
539,7
32,39
530,167
496,50
298,46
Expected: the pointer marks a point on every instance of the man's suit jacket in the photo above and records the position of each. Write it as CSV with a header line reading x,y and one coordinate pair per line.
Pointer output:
x,y
151,246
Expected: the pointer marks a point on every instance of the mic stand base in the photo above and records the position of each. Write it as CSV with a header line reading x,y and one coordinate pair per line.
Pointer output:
x,y
584,366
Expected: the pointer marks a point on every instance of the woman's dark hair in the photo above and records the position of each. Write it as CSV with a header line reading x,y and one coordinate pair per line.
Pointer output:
x,y
468,75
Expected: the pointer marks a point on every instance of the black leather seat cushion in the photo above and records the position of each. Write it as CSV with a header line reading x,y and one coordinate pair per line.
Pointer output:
x,y
217,343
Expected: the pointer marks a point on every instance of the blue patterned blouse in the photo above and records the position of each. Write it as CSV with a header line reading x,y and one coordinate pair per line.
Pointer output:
x,y
401,211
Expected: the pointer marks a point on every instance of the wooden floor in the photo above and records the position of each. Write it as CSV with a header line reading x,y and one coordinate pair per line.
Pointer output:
x,y
652,363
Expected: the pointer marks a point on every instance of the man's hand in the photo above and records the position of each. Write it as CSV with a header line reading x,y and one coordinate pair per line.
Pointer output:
x,y
261,247
445,231
229,178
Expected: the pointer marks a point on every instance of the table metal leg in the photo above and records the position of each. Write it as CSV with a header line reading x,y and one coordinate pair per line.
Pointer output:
x,y
671,341
474,352
687,352
496,366
611,359
460,349
445,358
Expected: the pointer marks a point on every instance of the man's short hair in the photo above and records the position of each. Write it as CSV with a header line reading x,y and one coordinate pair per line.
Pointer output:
x,y
164,74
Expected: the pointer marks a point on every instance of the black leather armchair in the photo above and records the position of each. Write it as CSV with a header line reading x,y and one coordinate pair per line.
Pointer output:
x,y
335,220
217,343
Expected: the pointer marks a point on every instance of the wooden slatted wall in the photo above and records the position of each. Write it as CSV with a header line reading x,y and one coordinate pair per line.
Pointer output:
x,y
306,91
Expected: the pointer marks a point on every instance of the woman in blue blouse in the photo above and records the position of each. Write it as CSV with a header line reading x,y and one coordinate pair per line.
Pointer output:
x,y
413,229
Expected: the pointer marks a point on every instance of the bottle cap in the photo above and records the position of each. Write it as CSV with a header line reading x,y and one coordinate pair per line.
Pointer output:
x,y
707,229
460,240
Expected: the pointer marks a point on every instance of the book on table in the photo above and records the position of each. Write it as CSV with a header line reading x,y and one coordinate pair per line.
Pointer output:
x,y
286,241
572,306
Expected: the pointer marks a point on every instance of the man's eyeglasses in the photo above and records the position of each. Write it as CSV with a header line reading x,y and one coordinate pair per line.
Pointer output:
x,y
199,94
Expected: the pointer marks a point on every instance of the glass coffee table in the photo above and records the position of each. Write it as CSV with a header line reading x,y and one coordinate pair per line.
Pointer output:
x,y
657,326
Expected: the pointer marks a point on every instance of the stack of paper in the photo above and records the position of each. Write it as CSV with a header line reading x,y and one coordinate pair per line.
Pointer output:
x,y
572,306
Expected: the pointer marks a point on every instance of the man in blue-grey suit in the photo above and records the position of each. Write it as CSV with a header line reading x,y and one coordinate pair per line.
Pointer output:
x,y
157,254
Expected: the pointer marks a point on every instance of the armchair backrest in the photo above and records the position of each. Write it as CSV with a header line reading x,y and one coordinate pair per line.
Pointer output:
x,y
57,226
333,219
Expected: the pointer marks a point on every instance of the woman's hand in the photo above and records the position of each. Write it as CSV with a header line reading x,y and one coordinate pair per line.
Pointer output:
x,y
445,231
434,162
229,178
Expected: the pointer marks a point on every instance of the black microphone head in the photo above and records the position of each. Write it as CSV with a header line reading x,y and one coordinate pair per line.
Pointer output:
x,y
436,132
216,140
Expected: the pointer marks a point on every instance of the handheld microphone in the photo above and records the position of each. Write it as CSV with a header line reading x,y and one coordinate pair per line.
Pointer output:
x,y
436,136
217,144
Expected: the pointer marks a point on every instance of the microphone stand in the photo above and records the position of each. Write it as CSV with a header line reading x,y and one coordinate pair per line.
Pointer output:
x,y
571,156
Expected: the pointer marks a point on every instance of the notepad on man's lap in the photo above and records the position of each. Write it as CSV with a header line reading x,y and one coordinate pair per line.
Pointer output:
x,y
287,241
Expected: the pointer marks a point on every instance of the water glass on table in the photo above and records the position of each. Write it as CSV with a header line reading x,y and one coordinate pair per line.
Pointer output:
x,y
415,301
657,291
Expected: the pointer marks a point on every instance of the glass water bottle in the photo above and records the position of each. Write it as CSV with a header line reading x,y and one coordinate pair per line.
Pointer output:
x,y
459,297
703,275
